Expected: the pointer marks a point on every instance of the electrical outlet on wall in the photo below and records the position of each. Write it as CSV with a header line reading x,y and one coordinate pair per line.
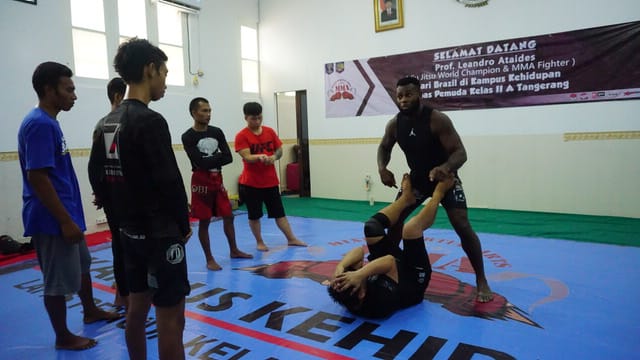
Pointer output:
x,y
101,220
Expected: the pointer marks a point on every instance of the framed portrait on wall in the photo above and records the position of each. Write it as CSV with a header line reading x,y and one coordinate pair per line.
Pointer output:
x,y
388,14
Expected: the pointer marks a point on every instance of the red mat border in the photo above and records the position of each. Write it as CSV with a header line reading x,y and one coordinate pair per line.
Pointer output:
x,y
94,239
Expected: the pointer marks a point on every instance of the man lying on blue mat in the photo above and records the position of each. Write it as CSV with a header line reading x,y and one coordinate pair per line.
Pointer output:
x,y
393,278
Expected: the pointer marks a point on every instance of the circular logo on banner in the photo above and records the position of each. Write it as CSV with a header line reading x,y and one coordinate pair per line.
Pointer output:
x,y
474,3
175,254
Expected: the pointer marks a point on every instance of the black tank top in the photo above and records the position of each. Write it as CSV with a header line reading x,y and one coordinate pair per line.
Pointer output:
x,y
421,147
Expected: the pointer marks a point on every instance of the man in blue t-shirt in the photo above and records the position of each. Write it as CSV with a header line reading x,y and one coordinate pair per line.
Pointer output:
x,y
52,209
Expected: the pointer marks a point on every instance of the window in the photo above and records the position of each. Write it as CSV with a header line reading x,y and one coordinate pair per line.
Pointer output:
x,y
170,41
94,36
249,55
89,39
132,19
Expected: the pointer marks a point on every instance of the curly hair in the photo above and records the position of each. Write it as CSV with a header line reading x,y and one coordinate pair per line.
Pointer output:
x,y
133,55
408,80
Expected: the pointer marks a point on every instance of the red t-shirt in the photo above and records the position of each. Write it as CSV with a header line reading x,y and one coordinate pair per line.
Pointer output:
x,y
258,174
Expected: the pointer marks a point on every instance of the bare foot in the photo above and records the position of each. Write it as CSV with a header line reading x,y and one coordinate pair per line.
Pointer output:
x,y
445,185
407,190
75,343
296,242
120,301
484,293
237,254
213,265
262,247
99,315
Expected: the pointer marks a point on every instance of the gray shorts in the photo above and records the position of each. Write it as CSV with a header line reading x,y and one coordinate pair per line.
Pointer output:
x,y
62,264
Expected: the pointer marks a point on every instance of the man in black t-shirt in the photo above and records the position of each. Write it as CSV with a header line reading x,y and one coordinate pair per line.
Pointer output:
x,y
133,167
208,152
393,279
116,89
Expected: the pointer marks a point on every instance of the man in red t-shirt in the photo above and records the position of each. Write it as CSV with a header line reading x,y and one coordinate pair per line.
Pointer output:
x,y
260,147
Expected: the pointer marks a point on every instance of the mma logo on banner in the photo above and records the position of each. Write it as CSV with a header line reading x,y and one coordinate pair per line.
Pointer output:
x,y
341,89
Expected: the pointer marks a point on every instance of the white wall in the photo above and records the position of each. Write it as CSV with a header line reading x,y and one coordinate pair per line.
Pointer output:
x,y
517,156
32,34
521,149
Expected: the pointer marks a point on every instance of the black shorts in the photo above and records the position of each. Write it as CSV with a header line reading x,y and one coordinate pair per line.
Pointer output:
x,y
255,197
453,199
156,264
414,272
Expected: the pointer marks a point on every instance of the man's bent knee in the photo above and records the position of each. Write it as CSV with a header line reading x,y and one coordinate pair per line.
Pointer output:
x,y
376,226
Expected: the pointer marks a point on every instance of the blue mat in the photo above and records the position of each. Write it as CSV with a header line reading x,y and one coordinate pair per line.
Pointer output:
x,y
554,299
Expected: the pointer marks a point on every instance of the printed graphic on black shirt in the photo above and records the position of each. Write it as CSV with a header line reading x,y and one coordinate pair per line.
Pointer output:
x,y
208,146
112,166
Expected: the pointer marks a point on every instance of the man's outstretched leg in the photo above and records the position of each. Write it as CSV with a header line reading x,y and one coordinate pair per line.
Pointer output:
x,y
375,228
375,233
394,233
427,215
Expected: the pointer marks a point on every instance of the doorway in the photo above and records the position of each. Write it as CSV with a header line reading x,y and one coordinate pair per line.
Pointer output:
x,y
292,124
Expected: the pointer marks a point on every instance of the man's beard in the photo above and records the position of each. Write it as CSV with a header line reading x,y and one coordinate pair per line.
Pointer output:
x,y
413,109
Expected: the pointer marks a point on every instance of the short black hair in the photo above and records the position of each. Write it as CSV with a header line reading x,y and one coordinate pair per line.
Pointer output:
x,y
193,105
252,109
116,86
48,74
133,55
345,298
408,80
378,302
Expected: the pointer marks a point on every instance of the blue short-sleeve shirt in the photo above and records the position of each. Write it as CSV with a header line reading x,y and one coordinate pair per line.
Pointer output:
x,y
41,145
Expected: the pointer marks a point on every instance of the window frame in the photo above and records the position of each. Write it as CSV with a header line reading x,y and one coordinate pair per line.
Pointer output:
x,y
249,60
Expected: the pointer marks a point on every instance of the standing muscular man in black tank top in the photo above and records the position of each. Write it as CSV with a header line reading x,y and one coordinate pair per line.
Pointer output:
x,y
433,150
